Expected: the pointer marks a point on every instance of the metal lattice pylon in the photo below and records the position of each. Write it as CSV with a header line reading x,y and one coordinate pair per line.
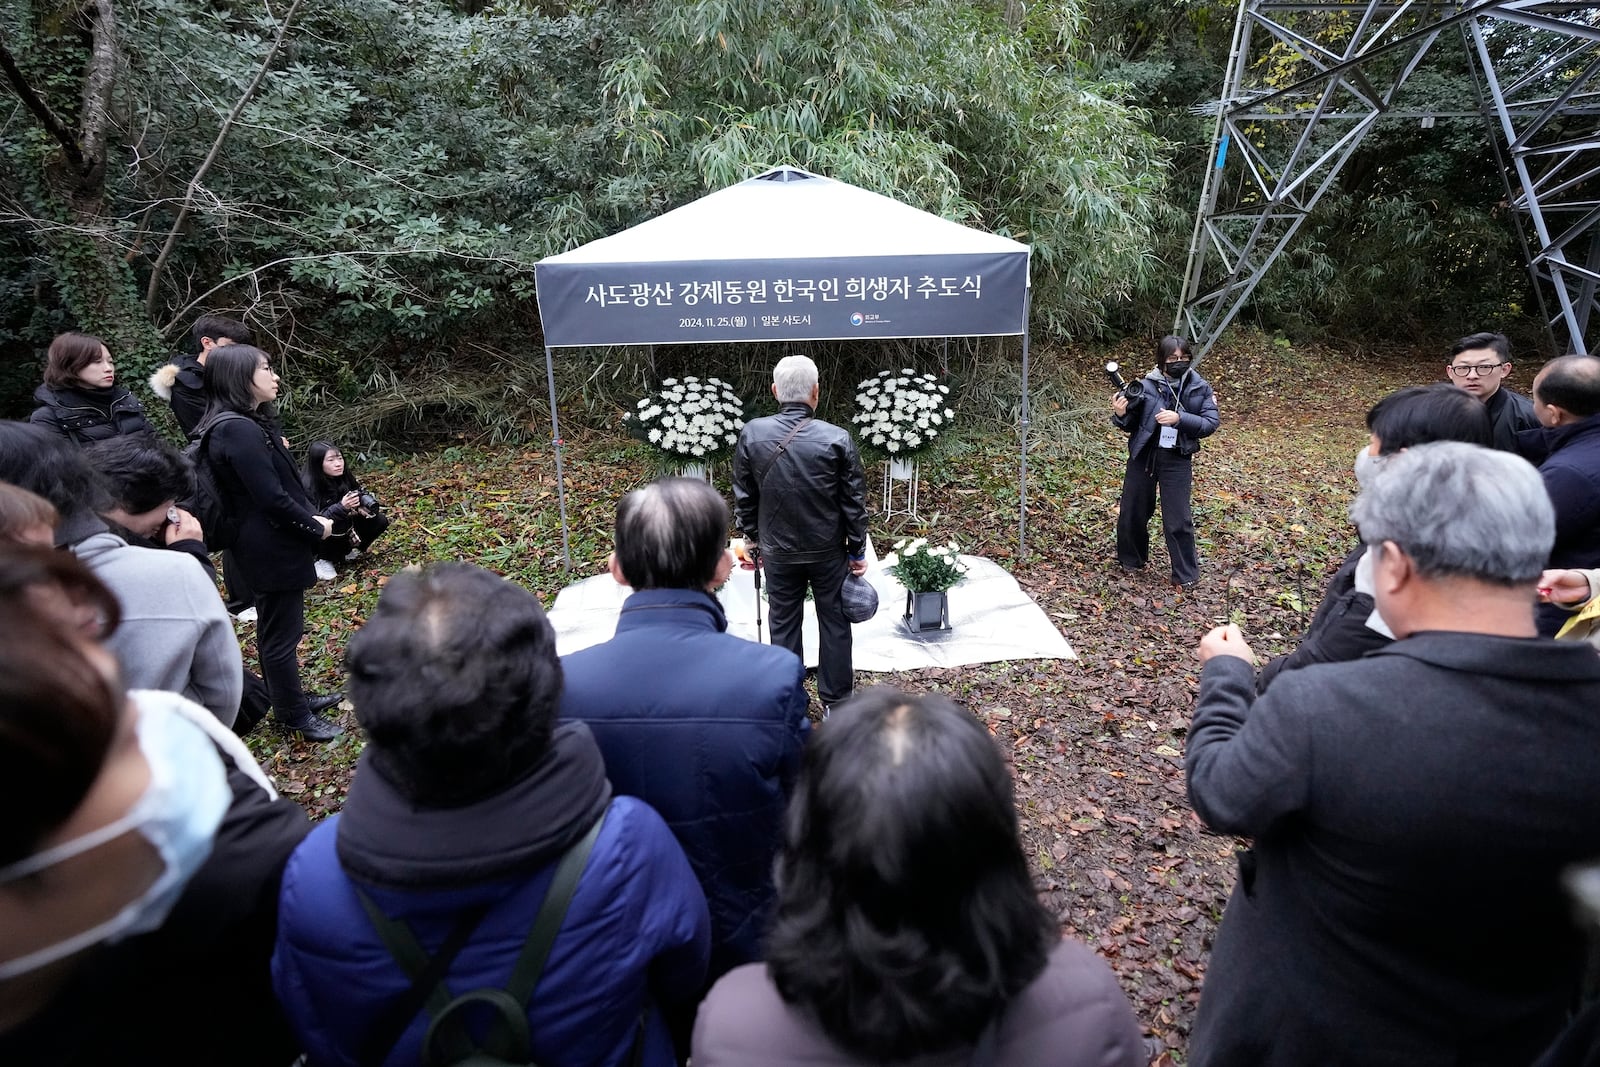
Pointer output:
x,y
1306,82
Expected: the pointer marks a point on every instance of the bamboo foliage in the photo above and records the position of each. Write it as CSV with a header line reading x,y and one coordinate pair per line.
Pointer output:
x,y
938,103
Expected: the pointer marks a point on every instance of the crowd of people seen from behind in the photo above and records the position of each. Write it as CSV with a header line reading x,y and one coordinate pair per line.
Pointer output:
x,y
647,853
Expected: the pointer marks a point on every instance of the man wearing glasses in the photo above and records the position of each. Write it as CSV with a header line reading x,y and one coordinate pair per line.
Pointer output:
x,y
1479,363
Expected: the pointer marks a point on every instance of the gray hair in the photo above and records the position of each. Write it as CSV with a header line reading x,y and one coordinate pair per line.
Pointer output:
x,y
1460,510
794,377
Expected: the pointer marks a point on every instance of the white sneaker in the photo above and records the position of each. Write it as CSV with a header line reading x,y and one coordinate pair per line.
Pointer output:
x,y
326,571
247,615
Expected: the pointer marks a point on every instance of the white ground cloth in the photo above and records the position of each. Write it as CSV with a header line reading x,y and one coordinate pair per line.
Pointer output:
x,y
991,619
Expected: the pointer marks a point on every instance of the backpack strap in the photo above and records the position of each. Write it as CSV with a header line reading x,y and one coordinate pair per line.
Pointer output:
x,y
507,1037
427,973
203,431
530,965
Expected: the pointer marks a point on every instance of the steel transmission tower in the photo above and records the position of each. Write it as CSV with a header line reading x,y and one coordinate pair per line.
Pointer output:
x,y
1336,69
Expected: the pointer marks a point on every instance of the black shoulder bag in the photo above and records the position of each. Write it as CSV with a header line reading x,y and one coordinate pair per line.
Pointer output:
x,y
507,1040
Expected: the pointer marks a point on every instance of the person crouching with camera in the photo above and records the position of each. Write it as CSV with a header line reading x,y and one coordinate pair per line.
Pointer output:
x,y
357,519
1165,415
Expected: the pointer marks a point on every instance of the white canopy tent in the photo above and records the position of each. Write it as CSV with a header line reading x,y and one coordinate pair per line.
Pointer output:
x,y
785,256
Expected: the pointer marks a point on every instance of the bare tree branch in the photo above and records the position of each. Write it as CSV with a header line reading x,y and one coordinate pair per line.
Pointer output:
x,y
41,110
179,316
171,242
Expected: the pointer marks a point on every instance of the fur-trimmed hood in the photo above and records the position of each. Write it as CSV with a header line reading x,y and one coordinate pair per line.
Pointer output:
x,y
161,381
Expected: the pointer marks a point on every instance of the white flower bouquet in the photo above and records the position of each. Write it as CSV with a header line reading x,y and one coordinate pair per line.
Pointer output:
x,y
900,413
692,419
925,568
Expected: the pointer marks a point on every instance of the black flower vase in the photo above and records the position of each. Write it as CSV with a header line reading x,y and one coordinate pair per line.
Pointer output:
x,y
927,611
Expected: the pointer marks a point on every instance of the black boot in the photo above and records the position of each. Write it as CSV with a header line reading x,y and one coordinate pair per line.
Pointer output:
x,y
323,702
310,728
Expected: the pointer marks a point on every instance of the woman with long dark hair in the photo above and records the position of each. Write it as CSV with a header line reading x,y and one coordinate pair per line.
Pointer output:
x,y
279,530
335,493
908,929
80,398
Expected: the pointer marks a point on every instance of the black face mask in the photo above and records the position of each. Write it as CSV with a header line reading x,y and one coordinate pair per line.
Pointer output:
x,y
1176,370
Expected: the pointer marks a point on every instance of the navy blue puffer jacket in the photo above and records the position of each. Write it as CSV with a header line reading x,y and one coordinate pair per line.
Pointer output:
x,y
708,729
635,935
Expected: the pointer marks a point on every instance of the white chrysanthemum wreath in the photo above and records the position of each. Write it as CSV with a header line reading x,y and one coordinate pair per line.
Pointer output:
x,y
901,412
694,419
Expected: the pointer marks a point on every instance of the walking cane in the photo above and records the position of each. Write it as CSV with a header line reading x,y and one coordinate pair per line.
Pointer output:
x,y
758,600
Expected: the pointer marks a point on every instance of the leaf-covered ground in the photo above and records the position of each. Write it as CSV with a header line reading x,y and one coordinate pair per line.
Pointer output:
x,y
1096,744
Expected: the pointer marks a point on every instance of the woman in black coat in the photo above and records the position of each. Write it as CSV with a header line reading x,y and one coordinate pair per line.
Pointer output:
x,y
80,398
279,530
335,492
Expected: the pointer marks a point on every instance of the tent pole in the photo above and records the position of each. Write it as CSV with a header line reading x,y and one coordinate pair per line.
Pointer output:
x,y
555,440
1022,476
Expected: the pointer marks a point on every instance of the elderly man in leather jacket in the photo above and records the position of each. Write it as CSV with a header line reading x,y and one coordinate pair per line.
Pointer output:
x,y
799,495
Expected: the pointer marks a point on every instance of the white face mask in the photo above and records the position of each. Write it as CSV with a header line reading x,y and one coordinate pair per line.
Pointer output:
x,y
178,813
1367,465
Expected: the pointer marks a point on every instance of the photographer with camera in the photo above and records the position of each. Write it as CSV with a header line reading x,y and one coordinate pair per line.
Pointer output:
x,y
1165,414
335,493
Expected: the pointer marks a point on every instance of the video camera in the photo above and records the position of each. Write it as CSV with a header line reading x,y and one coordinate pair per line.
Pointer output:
x,y
1133,391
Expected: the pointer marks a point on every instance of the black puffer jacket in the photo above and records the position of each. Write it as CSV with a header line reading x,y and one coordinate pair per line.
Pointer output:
x,y
1193,400
182,383
812,504
82,415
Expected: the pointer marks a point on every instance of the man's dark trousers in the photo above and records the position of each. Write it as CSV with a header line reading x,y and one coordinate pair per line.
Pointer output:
x,y
1173,474
786,601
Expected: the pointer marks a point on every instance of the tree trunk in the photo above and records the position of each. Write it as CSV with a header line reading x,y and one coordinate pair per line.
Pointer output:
x,y
65,204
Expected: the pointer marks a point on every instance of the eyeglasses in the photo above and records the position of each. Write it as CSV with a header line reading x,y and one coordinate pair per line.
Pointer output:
x,y
1466,370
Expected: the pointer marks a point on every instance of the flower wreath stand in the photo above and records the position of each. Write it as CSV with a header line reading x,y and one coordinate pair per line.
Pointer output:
x,y
898,415
901,479
690,423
